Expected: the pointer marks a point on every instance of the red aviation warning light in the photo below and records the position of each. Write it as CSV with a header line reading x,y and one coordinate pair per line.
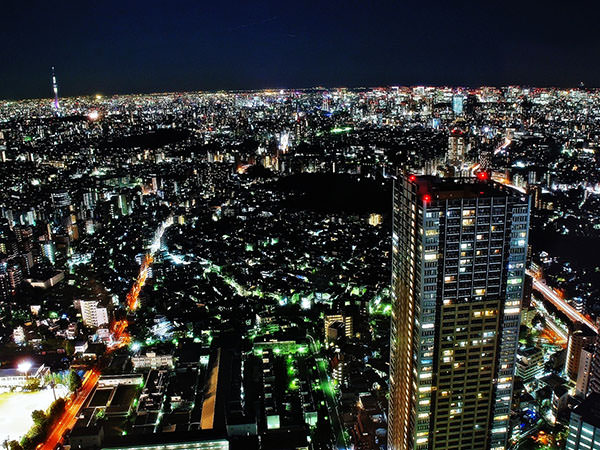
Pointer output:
x,y
483,176
412,178
427,198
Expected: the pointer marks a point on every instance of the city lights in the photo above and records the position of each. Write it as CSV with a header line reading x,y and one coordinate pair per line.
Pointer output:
x,y
93,115
164,254
24,367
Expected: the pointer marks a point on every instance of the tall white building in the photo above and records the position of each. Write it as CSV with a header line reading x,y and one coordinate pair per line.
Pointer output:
x,y
93,314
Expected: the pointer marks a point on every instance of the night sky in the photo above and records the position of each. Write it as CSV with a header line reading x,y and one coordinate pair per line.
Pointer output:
x,y
148,46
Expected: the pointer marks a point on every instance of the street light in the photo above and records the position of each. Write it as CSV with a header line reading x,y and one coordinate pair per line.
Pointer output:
x,y
24,367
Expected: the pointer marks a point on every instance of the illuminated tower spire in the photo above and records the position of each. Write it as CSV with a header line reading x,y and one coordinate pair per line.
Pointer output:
x,y
55,89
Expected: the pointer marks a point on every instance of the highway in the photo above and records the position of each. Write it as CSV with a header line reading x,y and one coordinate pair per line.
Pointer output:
x,y
550,322
551,296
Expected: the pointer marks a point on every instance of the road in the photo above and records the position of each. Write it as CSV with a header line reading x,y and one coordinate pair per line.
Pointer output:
x,y
330,397
69,416
550,322
332,407
121,336
551,296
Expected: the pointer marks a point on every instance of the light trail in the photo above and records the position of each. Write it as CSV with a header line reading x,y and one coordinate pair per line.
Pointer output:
x,y
119,328
552,327
132,296
506,143
551,295
556,330
122,338
69,416
134,293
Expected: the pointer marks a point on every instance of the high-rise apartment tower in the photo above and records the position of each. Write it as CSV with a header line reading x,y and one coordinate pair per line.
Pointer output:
x,y
458,265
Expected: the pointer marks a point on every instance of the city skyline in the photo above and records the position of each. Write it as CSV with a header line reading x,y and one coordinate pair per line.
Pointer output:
x,y
410,266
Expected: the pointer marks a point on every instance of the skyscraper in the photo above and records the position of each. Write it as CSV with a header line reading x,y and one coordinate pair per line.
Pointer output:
x,y
579,338
457,104
458,146
458,265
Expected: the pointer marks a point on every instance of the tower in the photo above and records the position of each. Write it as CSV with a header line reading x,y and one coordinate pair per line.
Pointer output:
x,y
579,338
457,104
459,249
55,90
458,146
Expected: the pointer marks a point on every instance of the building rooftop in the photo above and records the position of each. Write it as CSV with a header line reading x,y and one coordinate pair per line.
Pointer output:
x,y
589,410
530,351
455,188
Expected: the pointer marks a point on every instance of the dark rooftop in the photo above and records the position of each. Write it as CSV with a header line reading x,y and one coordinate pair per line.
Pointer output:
x,y
589,410
456,188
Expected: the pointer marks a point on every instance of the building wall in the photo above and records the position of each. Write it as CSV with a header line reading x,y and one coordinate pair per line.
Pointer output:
x,y
458,269
582,435
403,336
92,314
578,339
583,374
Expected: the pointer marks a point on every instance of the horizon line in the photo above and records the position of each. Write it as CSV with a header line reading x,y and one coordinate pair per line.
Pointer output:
x,y
317,87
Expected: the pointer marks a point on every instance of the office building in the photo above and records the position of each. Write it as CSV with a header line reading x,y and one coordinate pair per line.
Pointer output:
x,y
459,251
584,425
530,364
578,340
457,104
594,378
49,251
151,360
585,371
60,198
457,146
346,326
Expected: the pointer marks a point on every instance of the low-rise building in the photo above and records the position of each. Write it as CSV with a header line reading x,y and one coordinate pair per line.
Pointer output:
x,y
152,361
15,378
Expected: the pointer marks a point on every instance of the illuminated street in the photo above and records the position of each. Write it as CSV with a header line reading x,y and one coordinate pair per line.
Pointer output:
x,y
69,417
121,337
550,295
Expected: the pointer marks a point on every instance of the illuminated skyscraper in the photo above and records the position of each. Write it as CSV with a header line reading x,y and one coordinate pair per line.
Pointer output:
x,y
458,146
49,251
457,104
458,265
578,340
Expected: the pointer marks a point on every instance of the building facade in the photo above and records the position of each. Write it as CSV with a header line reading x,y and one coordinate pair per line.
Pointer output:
x,y
584,425
578,340
459,252
93,314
